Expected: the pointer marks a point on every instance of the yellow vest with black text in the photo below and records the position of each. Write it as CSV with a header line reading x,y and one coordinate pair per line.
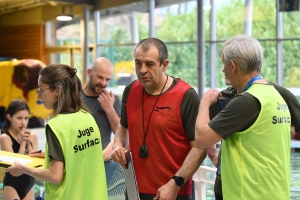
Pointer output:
x,y
256,162
84,172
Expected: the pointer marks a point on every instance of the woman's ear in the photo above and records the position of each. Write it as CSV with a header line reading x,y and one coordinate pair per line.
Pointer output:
x,y
8,117
58,90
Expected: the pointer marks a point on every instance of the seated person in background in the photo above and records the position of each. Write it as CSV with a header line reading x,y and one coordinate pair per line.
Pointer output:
x,y
15,137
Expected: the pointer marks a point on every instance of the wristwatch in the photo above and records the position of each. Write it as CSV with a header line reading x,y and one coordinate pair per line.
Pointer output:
x,y
178,180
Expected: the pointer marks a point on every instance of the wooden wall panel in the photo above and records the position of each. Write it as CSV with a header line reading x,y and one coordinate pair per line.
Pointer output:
x,y
23,42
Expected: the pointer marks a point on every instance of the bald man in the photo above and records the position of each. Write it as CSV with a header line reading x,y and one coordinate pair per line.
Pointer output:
x,y
104,105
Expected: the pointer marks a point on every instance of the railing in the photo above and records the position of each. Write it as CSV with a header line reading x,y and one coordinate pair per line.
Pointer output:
x,y
201,177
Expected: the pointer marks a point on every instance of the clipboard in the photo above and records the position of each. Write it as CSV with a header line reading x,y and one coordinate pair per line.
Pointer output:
x,y
130,179
7,159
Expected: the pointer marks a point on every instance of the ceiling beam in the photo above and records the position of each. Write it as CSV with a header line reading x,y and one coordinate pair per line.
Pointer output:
x,y
101,5
89,2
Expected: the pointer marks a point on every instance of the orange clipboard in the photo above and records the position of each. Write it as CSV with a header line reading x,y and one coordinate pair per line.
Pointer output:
x,y
7,159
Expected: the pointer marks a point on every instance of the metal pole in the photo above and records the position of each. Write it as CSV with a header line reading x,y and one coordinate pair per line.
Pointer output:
x,y
151,18
248,17
279,45
84,41
134,28
134,37
213,46
97,34
200,48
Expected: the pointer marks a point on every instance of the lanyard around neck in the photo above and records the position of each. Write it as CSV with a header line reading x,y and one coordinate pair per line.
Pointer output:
x,y
255,78
145,131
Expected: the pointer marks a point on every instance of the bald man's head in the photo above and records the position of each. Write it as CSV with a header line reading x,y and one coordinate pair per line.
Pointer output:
x,y
101,62
100,73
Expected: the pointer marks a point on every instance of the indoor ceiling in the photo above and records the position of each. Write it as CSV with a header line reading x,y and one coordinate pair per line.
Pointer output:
x,y
13,6
107,7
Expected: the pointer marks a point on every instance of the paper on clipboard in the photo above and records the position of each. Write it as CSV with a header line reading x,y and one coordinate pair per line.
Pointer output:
x,y
130,179
11,160
7,159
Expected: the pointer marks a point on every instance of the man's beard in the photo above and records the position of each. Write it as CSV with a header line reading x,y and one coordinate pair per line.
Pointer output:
x,y
94,86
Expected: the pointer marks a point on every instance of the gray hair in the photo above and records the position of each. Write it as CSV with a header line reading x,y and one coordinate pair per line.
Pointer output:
x,y
245,51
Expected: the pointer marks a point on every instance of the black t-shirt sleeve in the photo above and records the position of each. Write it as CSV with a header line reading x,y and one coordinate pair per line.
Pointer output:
x,y
123,119
293,104
240,113
54,147
189,111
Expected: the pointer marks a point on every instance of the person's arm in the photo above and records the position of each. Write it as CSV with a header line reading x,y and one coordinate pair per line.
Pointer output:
x,y
56,169
6,143
108,151
119,149
121,135
106,100
190,165
205,136
213,155
25,142
52,175
188,113
33,143
235,117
